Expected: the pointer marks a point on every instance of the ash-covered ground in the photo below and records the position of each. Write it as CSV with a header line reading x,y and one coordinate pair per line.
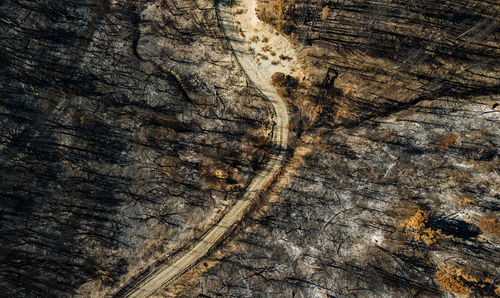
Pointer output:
x,y
128,128
112,159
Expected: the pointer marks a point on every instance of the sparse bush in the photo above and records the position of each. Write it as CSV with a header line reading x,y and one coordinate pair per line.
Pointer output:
x,y
324,12
279,79
283,57
254,38
266,48
489,226
417,221
448,140
103,6
449,279
465,202
278,6
416,226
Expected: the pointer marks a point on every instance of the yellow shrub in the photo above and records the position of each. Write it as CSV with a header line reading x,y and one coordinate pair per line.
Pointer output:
x,y
465,202
430,236
448,280
417,221
325,12
416,226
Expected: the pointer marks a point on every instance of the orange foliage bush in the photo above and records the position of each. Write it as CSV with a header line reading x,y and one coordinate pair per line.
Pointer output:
x,y
416,225
429,236
489,226
465,202
417,221
449,279
459,280
324,12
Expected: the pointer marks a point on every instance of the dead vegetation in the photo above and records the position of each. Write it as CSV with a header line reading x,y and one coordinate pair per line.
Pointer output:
x,y
279,79
461,280
489,226
451,279
262,56
417,227
324,12
448,140
266,48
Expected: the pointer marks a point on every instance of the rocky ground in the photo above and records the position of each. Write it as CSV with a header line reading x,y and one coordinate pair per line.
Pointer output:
x,y
127,128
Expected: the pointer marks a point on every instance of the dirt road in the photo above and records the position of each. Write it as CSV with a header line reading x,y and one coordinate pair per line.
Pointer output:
x,y
259,73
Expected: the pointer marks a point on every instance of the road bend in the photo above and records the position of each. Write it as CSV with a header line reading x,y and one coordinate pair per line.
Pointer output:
x,y
237,27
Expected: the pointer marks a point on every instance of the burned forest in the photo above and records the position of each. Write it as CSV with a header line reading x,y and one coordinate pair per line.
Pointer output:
x,y
249,148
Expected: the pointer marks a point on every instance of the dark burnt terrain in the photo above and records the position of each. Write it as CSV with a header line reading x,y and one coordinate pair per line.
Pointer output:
x,y
109,160
127,128
393,188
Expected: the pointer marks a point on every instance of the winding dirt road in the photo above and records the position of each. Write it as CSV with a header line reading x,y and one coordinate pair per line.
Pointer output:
x,y
259,72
